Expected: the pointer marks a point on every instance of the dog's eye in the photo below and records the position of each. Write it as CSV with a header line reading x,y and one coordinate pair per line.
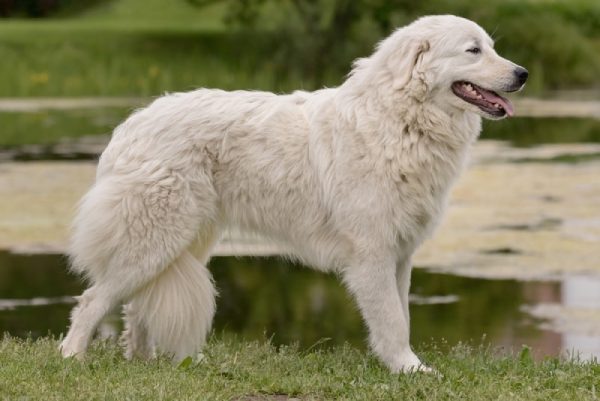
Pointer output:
x,y
474,50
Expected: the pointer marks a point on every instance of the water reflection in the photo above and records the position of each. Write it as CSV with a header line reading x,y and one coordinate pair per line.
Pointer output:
x,y
582,294
528,131
267,297
64,141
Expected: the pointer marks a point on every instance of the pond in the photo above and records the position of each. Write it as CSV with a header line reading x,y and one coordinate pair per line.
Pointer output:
x,y
529,131
81,134
537,244
264,298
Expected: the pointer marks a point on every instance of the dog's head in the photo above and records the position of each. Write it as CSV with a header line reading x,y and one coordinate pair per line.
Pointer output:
x,y
452,61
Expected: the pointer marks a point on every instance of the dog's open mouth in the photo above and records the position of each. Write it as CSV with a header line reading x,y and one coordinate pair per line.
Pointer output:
x,y
487,100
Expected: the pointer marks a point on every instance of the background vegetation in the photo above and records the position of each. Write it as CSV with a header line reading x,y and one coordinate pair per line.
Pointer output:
x,y
137,47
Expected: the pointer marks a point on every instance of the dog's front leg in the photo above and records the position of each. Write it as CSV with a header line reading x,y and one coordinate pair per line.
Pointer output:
x,y
403,273
376,292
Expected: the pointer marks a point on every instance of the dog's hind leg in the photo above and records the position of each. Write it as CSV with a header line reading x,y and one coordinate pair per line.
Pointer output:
x,y
92,306
375,290
175,309
135,337
147,316
126,235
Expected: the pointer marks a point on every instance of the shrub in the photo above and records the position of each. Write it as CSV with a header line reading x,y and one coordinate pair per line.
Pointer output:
x,y
43,8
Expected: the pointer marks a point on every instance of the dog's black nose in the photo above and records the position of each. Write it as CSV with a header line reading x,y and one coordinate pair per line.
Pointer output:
x,y
521,74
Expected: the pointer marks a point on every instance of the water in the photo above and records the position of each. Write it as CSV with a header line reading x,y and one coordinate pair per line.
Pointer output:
x,y
81,134
528,131
270,298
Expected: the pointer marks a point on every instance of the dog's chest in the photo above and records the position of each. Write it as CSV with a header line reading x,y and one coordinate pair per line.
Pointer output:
x,y
419,180
416,210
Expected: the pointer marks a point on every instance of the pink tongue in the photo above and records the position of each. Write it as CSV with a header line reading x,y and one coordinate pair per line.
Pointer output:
x,y
493,98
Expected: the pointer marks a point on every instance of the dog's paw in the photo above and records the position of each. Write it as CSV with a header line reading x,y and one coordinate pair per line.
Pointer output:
x,y
410,363
421,368
68,351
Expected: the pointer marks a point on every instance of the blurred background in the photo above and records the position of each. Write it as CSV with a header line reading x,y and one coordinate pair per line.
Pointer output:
x,y
516,261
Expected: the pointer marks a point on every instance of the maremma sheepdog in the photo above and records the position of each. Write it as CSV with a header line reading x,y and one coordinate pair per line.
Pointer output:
x,y
350,179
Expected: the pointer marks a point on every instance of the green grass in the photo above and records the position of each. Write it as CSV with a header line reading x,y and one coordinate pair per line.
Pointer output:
x,y
233,369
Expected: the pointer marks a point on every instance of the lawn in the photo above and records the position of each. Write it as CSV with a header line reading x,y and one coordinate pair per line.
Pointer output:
x,y
234,369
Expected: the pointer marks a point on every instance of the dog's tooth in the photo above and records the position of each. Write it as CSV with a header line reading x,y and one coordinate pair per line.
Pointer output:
x,y
478,96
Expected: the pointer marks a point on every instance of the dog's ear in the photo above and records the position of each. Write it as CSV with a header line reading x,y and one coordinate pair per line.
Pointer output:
x,y
406,61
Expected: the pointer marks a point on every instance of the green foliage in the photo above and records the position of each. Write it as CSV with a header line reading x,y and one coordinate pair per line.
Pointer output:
x,y
585,14
315,36
558,50
97,63
185,363
234,369
135,47
525,357
43,8
554,39
554,48
548,37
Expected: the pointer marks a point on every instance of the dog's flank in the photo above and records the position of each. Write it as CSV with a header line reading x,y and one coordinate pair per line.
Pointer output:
x,y
350,179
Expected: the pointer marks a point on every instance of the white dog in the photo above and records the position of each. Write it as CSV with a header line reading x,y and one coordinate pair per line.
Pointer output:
x,y
352,179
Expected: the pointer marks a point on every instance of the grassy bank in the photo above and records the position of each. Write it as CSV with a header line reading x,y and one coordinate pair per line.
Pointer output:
x,y
84,61
135,47
233,369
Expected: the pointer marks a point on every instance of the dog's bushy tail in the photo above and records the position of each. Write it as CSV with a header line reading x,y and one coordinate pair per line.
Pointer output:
x,y
175,310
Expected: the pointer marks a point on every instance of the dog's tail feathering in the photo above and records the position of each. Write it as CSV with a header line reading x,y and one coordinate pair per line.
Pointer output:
x,y
133,252
174,310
